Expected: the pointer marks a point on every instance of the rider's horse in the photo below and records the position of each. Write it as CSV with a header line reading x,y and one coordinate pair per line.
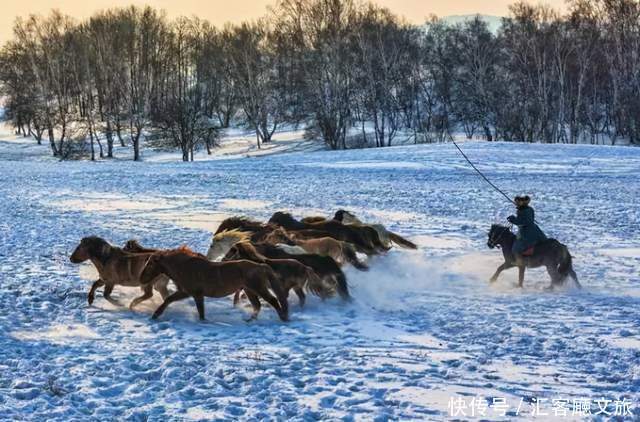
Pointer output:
x,y
550,253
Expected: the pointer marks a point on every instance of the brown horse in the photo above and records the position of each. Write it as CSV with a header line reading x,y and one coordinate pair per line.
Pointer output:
x,y
325,267
116,267
550,253
257,231
365,239
242,224
341,252
196,276
291,273
387,237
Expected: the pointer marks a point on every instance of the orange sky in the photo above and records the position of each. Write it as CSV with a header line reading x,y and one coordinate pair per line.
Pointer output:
x,y
221,11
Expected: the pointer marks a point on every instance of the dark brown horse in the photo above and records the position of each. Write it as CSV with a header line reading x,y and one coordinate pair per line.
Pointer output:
x,y
116,267
196,276
291,273
387,237
325,267
550,254
364,238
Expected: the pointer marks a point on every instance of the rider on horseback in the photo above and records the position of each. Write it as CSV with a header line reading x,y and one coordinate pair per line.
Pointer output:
x,y
529,234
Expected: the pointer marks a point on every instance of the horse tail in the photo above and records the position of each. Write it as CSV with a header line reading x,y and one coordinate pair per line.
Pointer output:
x,y
401,241
565,268
349,253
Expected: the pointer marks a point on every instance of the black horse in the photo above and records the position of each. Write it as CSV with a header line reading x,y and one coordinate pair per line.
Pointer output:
x,y
549,253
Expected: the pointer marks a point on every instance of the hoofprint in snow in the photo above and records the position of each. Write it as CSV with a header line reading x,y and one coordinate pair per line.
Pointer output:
x,y
426,336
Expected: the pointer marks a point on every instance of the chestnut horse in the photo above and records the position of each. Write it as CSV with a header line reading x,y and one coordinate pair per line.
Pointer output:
x,y
196,276
116,267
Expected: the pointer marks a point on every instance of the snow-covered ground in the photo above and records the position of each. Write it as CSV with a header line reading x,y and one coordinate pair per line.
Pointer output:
x,y
425,330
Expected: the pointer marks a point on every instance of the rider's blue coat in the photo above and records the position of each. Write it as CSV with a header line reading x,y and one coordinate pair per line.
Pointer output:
x,y
528,231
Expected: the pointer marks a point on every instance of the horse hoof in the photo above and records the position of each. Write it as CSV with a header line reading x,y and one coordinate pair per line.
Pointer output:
x,y
90,300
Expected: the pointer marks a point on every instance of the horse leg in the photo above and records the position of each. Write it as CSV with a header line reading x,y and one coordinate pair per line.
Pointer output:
x,y
200,305
179,295
574,276
261,289
301,296
521,275
148,293
553,274
108,288
92,292
255,303
500,269
236,297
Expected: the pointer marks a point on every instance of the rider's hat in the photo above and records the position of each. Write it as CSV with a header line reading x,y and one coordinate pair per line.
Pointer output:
x,y
522,198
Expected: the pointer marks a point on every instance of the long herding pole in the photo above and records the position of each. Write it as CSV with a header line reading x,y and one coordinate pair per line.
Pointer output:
x,y
480,173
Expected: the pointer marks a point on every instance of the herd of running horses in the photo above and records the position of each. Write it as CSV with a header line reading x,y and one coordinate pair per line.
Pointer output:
x,y
262,261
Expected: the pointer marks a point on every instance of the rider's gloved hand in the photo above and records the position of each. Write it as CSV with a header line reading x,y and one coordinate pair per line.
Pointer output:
x,y
511,219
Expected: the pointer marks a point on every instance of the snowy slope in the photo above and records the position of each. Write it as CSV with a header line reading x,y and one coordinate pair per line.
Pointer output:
x,y
425,326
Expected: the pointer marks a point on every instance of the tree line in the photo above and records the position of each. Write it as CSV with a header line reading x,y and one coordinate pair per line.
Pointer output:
x,y
352,74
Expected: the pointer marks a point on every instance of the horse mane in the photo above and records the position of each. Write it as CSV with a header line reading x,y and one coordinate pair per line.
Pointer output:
x,y
236,234
285,219
132,243
499,226
235,223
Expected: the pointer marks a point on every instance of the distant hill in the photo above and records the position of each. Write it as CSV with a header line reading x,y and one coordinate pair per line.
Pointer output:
x,y
493,22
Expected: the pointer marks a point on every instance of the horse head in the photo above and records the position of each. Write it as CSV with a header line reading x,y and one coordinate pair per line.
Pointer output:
x,y
90,247
497,235
133,245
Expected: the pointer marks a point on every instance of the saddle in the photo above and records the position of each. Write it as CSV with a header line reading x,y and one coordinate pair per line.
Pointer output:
x,y
529,251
